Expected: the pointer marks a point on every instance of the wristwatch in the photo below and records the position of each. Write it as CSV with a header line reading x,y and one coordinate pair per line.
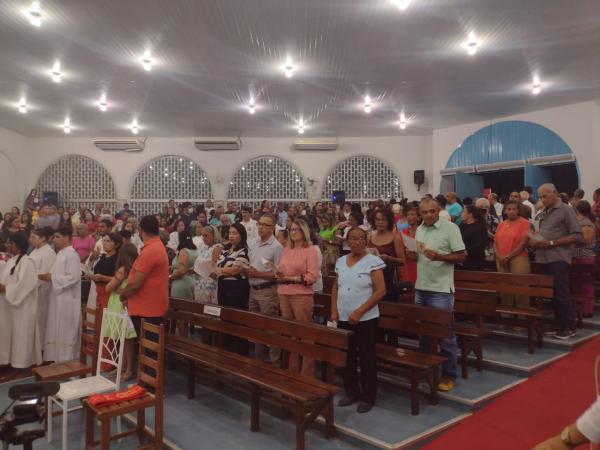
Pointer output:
x,y
551,243
565,436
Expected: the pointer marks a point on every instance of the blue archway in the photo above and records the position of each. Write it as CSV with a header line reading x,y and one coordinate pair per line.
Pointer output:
x,y
508,144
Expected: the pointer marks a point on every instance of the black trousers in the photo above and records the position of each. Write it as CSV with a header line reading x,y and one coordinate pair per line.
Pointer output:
x,y
361,345
234,293
563,308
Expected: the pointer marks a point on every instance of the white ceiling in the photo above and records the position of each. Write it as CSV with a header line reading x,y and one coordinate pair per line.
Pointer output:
x,y
212,55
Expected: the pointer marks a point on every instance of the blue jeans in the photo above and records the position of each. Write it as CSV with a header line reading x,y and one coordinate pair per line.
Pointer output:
x,y
449,348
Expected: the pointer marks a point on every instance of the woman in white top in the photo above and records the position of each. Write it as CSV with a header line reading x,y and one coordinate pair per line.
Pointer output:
x,y
205,289
174,236
20,344
43,257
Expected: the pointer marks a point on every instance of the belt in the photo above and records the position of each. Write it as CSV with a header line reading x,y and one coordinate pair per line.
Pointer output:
x,y
266,285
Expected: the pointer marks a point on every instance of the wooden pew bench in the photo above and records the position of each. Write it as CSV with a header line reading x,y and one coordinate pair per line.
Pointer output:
x,y
306,397
414,321
534,286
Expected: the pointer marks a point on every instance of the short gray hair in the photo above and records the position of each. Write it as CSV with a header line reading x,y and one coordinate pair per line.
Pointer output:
x,y
548,187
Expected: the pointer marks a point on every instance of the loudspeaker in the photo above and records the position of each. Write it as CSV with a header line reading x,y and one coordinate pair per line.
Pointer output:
x,y
419,176
50,198
338,197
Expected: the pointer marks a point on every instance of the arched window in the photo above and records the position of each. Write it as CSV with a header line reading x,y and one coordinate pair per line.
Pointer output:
x,y
165,178
267,178
78,180
363,179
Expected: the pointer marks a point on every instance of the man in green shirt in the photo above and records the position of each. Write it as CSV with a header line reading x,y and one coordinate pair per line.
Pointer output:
x,y
440,246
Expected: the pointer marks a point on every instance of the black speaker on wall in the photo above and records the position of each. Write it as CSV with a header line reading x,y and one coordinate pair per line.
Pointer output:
x,y
419,177
338,197
50,198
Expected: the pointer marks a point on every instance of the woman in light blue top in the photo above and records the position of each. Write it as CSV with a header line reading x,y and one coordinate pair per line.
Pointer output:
x,y
360,286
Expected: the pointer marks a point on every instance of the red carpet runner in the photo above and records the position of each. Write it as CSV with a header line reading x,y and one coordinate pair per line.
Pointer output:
x,y
531,412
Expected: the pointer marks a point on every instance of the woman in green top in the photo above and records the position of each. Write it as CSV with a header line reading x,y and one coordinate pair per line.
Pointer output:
x,y
182,277
329,241
127,255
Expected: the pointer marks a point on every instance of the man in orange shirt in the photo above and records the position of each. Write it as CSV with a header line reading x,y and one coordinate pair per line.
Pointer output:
x,y
146,295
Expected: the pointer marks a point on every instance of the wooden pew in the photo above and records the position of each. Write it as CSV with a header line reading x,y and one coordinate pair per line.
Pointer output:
x,y
532,285
414,321
474,305
306,397
576,273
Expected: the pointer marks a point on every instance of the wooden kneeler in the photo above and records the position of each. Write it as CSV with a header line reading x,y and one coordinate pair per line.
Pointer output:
x,y
151,370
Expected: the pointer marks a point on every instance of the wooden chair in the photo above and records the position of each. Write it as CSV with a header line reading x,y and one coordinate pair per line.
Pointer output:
x,y
81,368
151,374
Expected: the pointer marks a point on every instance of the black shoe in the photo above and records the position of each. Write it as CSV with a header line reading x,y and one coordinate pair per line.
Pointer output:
x,y
565,334
364,407
347,401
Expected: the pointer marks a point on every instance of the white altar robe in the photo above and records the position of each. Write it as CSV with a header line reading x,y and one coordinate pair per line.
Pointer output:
x,y
64,313
43,258
20,344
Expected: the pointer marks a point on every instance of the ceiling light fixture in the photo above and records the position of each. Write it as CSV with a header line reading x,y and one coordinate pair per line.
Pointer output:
x,y
401,4
135,129
67,126
472,43
403,121
368,105
289,68
251,106
102,103
301,126
56,73
147,61
35,14
23,106
536,88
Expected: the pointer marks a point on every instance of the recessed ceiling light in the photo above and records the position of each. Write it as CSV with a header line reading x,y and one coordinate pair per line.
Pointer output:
x,y
67,126
401,4
147,60
251,106
135,127
536,88
34,13
289,68
472,44
22,106
368,105
301,126
403,121
102,103
56,73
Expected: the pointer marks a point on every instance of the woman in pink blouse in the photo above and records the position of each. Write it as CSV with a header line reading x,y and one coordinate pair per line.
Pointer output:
x,y
298,271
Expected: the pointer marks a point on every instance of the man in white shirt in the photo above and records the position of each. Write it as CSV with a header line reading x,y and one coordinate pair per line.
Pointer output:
x,y
498,207
525,201
249,223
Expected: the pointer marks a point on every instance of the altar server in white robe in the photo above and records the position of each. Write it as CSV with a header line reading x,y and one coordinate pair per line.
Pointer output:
x,y
43,257
64,312
20,344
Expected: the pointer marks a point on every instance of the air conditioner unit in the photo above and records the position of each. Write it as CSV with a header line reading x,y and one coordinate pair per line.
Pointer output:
x,y
504,165
455,170
214,144
316,145
554,159
123,145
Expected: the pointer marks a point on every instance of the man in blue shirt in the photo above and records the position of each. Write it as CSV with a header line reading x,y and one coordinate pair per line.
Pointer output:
x,y
453,207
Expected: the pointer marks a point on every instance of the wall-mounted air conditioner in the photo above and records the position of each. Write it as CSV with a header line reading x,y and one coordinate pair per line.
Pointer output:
x,y
504,165
549,160
316,145
121,145
455,170
215,144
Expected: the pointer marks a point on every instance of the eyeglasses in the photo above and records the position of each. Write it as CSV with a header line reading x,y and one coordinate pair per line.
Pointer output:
x,y
357,239
294,229
262,224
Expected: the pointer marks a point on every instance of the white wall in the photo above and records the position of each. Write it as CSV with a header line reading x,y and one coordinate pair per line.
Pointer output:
x,y
13,151
404,154
578,125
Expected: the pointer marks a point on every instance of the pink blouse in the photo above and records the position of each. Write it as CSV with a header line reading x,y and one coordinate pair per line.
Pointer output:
x,y
296,262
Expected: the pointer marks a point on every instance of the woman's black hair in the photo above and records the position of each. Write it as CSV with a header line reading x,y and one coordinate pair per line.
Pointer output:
x,y
241,229
20,240
185,241
45,232
358,216
387,215
584,208
475,212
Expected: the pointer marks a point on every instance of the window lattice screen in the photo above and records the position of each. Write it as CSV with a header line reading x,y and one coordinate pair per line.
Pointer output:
x,y
267,178
363,178
79,180
165,178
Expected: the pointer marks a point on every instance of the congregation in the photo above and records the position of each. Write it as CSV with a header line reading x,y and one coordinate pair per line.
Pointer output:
x,y
272,260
